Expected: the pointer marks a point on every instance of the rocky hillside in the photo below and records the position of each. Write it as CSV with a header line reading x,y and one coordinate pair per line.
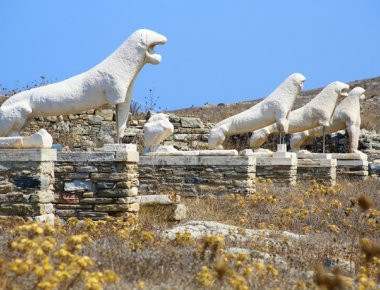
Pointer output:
x,y
370,107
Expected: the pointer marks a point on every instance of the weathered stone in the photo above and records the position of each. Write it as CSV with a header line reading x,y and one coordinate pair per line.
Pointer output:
x,y
27,155
129,199
92,215
77,175
78,185
132,207
119,147
73,206
118,192
199,229
157,199
106,114
128,184
25,209
113,176
65,212
179,212
96,200
27,182
5,187
87,169
320,169
64,169
42,196
105,185
14,197
88,194
189,122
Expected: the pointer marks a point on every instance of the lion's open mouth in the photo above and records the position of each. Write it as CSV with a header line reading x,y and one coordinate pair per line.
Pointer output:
x,y
151,55
344,92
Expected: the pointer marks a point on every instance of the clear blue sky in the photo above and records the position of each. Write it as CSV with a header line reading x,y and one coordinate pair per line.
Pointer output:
x,y
217,51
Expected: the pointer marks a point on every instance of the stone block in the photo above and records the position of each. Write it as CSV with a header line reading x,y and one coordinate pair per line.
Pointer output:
x,y
25,209
113,176
157,199
129,156
271,161
310,155
196,160
5,187
77,175
85,156
119,147
65,212
105,185
27,155
78,185
349,156
106,114
96,200
64,169
218,153
118,192
128,207
92,215
166,212
128,184
87,169
189,122
87,194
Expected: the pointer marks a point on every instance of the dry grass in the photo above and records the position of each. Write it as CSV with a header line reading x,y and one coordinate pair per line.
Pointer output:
x,y
340,223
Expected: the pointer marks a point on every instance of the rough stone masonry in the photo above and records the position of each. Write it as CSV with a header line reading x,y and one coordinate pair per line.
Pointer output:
x,y
195,175
26,182
96,184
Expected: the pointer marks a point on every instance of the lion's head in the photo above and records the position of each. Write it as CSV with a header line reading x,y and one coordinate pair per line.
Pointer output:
x,y
340,88
357,92
297,79
147,40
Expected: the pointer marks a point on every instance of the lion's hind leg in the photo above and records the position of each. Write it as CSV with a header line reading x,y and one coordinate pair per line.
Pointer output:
x,y
13,120
258,138
216,138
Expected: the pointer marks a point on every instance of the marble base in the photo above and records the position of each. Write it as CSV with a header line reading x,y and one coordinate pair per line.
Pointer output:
x,y
316,166
27,179
197,174
353,166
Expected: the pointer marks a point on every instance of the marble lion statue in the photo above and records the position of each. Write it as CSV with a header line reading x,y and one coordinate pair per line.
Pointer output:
x,y
274,108
156,130
346,116
108,83
317,112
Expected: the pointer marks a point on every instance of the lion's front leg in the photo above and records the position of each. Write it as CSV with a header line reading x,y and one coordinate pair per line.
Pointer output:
x,y
282,121
122,114
353,134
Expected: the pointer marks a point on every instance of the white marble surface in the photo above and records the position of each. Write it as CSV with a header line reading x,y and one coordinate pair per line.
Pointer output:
x,y
108,83
346,117
156,130
317,112
274,108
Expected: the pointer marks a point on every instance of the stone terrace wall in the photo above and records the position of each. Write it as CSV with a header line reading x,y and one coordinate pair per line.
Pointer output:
x,y
197,175
94,128
26,182
96,184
